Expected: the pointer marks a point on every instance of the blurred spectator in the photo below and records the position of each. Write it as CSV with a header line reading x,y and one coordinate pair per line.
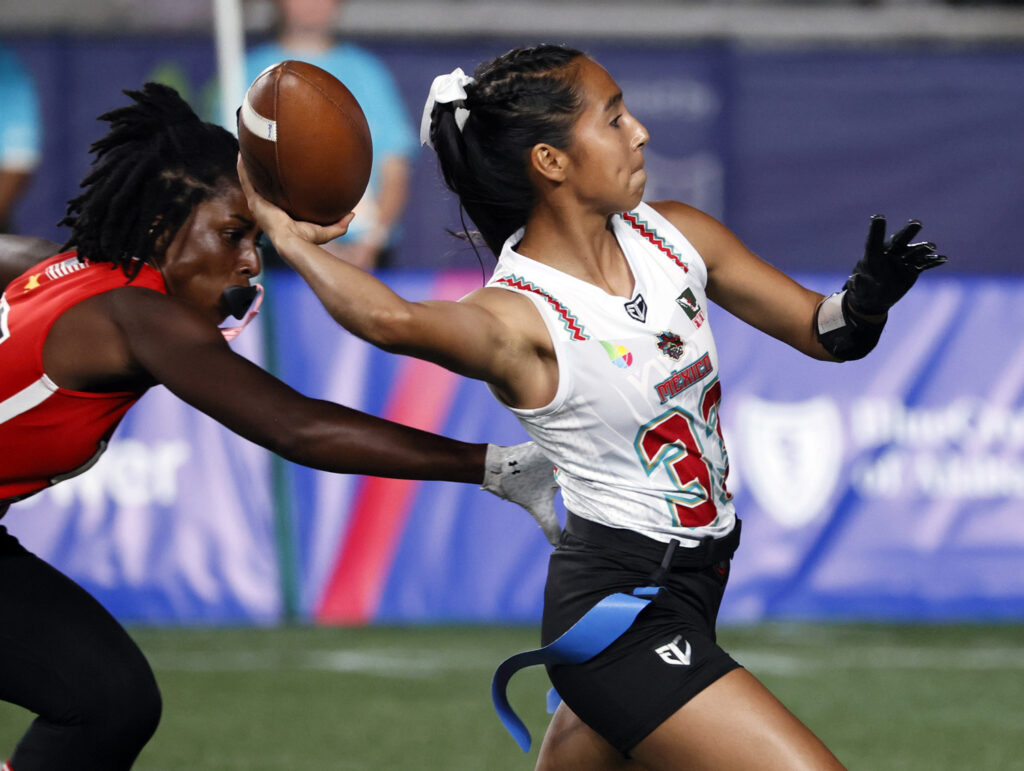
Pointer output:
x,y
20,133
306,30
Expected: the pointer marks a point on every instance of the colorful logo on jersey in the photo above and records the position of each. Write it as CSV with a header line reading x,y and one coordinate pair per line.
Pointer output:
x,y
670,344
682,379
619,355
637,308
32,283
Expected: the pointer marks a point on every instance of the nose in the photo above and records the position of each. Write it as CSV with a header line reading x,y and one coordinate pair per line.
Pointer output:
x,y
249,262
640,137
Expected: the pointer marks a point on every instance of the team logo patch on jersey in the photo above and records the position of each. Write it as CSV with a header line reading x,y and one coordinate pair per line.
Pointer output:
x,y
637,308
619,355
671,344
688,302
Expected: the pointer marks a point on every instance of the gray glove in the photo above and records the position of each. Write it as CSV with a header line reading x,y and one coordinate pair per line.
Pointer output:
x,y
523,475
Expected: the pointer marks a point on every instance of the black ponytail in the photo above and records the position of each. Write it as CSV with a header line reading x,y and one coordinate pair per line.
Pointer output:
x,y
522,98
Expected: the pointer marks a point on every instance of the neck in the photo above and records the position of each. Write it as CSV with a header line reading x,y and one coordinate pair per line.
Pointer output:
x,y
583,246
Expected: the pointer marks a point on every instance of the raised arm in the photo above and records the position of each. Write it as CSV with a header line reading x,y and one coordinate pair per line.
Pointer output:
x,y
747,286
491,335
844,326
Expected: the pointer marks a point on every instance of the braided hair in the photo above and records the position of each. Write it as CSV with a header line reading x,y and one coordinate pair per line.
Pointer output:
x,y
522,98
154,166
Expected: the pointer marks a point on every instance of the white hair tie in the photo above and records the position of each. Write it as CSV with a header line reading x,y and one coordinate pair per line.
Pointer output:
x,y
445,89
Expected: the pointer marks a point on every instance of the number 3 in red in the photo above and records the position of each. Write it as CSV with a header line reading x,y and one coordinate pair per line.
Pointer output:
x,y
670,440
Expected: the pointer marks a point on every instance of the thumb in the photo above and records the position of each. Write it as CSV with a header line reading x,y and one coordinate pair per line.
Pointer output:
x,y
544,514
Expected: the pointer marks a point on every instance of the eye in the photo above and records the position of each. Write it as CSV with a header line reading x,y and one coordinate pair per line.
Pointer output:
x,y
615,121
233,236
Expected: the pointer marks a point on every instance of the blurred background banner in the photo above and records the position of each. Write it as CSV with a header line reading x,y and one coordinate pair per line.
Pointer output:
x,y
794,150
891,488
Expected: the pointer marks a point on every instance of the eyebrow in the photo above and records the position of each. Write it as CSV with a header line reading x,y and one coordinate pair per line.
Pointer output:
x,y
243,219
614,101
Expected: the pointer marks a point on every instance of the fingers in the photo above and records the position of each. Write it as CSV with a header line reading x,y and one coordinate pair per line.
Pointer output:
x,y
876,236
927,262
903,237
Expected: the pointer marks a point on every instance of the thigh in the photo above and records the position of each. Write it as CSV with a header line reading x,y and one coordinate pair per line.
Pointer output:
x,y
571,745
734,723
60,650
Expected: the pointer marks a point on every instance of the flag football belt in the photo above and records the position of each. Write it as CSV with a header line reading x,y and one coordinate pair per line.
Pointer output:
x,y
604,623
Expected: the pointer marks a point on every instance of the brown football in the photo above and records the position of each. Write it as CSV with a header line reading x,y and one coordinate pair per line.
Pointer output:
x,y
305,142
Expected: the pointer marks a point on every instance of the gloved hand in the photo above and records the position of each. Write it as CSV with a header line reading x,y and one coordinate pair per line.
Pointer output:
x,y
523,475
888,268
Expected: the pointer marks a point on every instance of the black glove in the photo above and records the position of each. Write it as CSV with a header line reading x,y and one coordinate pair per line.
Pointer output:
x,y
888,268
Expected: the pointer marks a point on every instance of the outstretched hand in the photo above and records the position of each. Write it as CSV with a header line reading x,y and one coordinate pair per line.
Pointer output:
x,y
888,268
523,475
277,223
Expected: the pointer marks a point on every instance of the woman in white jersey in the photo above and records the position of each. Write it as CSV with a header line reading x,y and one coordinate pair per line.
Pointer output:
x,y
593,330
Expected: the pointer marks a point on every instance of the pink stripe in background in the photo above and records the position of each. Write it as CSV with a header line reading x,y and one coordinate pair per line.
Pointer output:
x,y
422,397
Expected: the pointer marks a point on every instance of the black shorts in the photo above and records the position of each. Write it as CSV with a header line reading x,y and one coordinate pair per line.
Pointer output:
x,y
666,657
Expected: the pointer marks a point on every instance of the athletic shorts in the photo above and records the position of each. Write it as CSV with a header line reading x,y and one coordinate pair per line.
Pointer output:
x,y
666,657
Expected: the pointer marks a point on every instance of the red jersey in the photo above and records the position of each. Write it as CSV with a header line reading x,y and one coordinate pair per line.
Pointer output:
x,y
49,433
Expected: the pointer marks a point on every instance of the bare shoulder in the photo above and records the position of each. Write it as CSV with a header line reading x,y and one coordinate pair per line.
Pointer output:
x,y
511,307
514,311
710,237
698,226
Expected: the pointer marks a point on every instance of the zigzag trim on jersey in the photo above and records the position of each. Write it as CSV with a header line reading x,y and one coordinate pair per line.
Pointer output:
x,y
572,324
644,228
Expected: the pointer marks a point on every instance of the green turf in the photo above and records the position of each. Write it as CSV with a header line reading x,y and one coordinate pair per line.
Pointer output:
x,y
881,697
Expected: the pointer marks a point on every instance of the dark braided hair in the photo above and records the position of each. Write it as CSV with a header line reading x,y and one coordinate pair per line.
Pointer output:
x,y
154,166
522,98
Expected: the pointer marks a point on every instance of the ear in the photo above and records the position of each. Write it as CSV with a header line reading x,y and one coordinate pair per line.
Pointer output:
x,y
550,162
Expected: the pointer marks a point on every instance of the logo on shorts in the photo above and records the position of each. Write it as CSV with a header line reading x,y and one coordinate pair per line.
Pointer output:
x,y
671,654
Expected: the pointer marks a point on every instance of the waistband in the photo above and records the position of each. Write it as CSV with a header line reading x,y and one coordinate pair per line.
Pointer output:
x,y
709,551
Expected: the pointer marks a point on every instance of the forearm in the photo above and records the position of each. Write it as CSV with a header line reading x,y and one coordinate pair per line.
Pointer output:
x,y
356,443
355,299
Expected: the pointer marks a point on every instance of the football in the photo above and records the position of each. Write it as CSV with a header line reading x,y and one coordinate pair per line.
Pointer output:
x,y
304,141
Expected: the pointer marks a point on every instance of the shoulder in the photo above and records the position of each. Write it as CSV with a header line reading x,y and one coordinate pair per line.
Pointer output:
x,y
707,235
686,218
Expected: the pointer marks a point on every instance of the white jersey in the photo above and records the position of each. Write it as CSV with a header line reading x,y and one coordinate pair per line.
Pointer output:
x,y
633,428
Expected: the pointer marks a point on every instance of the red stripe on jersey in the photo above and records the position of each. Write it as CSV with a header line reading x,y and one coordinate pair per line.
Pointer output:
x,y
642,227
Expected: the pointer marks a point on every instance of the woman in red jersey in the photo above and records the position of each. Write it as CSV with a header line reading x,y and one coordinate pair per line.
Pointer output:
x,y
162,250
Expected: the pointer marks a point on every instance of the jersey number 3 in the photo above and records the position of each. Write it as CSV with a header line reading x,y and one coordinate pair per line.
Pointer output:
x,y
670,440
